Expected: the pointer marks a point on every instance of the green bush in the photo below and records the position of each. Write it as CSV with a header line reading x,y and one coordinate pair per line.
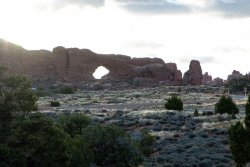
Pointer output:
x,y
247,111
79,152
16,95
196,113
10,157
66,90
55,104
112,146
226,105
16,98
174,103
74,124
240,144
239,137
36,141
146,143
40,93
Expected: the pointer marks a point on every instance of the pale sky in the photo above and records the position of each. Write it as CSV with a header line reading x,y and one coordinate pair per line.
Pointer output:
x,y
215,32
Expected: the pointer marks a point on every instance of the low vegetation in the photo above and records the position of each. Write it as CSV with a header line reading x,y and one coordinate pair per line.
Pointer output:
x,y
174,103
55,104
16,99
146,141
66,90
29,138
239,136
226,105
196,113
32,139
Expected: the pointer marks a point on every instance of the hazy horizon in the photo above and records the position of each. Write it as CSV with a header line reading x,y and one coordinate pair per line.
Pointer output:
x,y
214,32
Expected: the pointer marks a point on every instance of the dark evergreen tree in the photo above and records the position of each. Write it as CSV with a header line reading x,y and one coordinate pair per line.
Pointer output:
x,y
240,144
35,140
239,137
16,99
196,113
247,111
112,146
55,104
226,105
174,103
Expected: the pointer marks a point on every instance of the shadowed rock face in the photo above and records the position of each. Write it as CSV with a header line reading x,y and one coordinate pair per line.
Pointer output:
x,y
194,75
76,65
207,79
36,64
235,75
217,82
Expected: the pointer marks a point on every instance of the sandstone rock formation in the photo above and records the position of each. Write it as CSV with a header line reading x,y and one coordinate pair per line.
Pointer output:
x,y
218,82
235,75
206,79
194,75
146,61
37,64
75,65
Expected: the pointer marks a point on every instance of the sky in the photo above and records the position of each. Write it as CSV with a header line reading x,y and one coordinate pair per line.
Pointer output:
x,y
215,32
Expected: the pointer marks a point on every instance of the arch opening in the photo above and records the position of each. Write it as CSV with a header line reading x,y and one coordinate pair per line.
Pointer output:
x,y
100,72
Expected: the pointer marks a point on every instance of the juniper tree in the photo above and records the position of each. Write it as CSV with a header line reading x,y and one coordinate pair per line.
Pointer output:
x,y
226,105
174,103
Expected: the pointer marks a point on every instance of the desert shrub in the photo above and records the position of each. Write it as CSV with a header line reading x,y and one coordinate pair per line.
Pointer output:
x,y
16,95
207,113
206,163
196,113
226,105
55,104
36,141
16,98
174,103
112,146
40,93
74,124
145,141
66,90
79,151
137,96
10,157
247,111
146,144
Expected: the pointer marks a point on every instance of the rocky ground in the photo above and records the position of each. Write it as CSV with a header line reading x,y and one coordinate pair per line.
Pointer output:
x,y
182,139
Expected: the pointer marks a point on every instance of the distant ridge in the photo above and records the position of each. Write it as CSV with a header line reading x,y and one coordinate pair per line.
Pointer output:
x,y
78,65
